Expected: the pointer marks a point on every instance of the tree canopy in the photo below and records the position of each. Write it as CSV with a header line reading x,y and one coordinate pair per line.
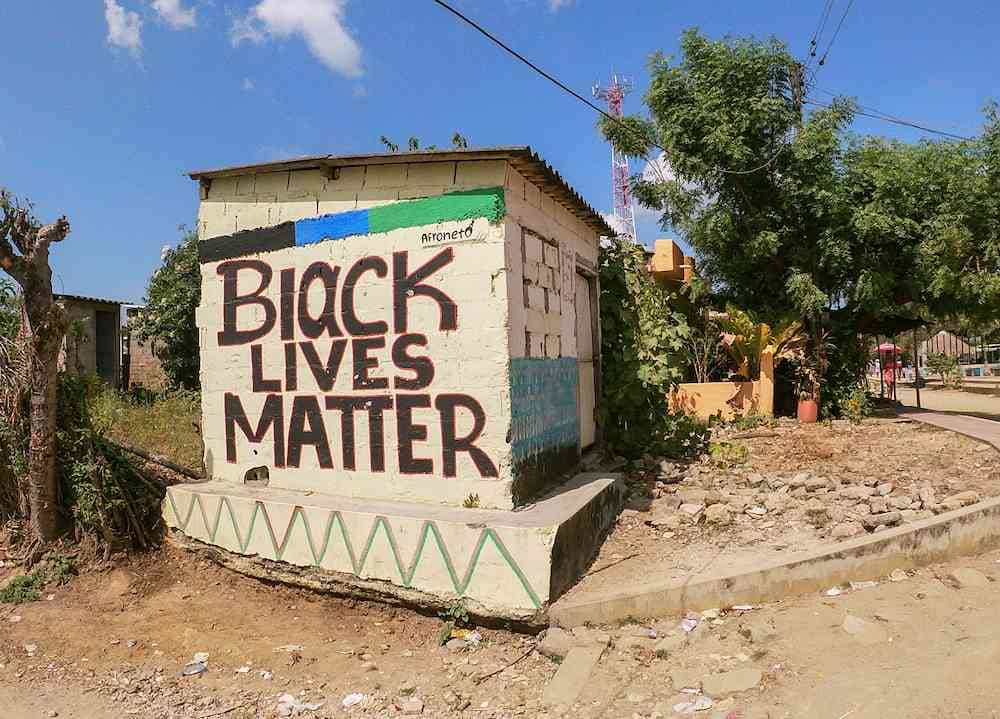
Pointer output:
x,y
787,211
168,320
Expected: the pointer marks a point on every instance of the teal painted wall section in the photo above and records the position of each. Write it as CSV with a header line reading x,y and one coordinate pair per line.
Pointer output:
x,y
544,403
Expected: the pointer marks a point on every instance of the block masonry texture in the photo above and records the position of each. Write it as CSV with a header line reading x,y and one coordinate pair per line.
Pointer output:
x,y
368,353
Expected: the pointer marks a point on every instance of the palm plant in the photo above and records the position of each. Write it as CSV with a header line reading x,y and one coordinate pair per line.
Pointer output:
x,y
745,339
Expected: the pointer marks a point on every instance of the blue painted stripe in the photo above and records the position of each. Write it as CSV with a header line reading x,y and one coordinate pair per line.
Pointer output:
x,y
331,227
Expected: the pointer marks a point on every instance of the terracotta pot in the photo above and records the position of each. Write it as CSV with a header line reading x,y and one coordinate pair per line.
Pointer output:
x,y
808,410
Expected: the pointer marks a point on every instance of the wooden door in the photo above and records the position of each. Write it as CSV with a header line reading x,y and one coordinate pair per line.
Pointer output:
x,y
585,360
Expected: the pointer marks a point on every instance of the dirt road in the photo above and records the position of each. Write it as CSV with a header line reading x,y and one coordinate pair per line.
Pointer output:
x,y
112,645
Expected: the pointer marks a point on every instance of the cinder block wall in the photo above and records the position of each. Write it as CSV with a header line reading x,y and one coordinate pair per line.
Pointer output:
x,y
513,350
469,360
546,247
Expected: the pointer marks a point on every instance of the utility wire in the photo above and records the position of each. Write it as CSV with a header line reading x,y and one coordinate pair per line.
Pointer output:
x,y
876,115
886,116
820,26
822,60
493,38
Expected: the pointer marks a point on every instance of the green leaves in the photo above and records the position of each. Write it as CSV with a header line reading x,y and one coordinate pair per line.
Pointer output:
x,y
10,313
871,231
643,355
168,321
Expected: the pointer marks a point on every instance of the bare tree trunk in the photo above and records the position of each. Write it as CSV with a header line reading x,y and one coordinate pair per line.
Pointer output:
x,y
43,482
24,255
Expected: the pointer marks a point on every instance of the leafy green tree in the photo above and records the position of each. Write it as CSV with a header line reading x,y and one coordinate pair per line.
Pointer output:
x,y
943,365
786,213
750,183
168,320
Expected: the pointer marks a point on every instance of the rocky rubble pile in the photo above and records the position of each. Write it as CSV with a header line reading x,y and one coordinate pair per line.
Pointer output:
x,y
699,495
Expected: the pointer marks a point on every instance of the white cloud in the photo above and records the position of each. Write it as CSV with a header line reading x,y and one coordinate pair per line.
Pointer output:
x,y
248,84
557,5
175,14
124,26
319,22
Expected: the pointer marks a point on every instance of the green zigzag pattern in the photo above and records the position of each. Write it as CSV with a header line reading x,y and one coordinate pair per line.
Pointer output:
x,y
406,574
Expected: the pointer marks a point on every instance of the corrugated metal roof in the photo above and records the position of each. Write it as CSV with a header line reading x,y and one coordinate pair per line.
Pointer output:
x,y
83,298
521,157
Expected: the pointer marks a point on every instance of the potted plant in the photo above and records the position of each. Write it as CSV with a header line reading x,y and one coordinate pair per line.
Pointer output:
x,y
807,378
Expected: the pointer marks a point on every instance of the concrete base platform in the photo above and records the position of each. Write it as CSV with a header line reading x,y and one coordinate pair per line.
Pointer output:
x,y
502,564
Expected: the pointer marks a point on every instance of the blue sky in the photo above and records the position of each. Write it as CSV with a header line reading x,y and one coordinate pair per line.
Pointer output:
x,y
106,103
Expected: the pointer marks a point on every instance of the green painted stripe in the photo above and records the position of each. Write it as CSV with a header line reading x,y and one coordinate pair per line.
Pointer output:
x,y
464,205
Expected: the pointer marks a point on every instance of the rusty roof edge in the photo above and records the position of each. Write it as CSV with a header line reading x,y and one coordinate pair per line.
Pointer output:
x,y
522,155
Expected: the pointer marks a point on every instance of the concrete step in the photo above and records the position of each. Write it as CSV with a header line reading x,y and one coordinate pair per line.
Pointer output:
x,y
509,564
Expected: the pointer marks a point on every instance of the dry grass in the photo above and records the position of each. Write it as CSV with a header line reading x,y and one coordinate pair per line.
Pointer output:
x,y
166,425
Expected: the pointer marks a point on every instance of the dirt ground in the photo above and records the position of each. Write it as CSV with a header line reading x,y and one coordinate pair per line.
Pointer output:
x,y
783,491
113,644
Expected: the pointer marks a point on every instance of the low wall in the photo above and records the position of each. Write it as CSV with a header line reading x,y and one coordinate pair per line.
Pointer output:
x,y
727,399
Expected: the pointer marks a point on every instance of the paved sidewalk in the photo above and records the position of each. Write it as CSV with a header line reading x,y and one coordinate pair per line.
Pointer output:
x,y
985,430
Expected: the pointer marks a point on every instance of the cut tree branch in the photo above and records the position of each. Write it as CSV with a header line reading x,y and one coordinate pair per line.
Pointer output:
x,y
55,232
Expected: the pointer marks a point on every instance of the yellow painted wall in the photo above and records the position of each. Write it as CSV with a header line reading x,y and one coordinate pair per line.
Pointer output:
x,y
727,399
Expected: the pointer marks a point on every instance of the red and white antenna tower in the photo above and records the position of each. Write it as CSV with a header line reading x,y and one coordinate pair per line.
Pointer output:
x,y
621,194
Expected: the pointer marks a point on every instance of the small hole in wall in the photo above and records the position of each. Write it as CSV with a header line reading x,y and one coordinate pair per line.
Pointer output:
x,y
257,476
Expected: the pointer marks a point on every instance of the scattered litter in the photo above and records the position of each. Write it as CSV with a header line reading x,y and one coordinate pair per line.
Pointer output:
x,y
833,592
289,706
200,657
688,624
243,670
898,575
469,636
50,597
14,618
353,700
742,607
698,705
194,668
864,585
710,614
290,648
31,649
266,676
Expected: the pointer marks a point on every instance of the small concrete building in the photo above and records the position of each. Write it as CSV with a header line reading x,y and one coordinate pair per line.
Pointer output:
x,y
93,343
400,359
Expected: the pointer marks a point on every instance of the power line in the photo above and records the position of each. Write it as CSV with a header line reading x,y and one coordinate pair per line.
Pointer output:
x,y
526,61
565,88
822,60
876,115
820,26
886,116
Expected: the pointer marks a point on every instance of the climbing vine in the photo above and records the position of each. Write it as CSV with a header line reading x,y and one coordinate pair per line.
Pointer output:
x,y
643,341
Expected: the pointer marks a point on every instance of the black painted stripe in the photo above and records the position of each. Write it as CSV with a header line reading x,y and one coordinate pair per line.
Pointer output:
x,y
247,242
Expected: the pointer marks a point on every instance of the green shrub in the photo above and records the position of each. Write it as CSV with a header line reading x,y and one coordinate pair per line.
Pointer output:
x,y
642,356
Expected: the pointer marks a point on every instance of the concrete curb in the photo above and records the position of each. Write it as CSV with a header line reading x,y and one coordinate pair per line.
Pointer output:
x,y
969,530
